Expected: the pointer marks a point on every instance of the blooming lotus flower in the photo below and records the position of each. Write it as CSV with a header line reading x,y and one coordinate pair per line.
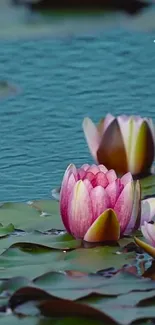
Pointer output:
x,y
96,206
123,143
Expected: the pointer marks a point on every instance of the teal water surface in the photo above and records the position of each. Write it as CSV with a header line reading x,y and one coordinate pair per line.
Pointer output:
x,y
62,81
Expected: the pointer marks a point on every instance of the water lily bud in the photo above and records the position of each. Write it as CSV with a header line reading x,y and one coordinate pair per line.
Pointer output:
x,y
123,143
96,205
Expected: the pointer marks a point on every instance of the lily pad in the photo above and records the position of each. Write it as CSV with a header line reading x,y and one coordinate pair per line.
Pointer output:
x,y
15,262
52,307
30,216
6,230
15,320
40,262
64,286
98,258
62,242
13,284
25,301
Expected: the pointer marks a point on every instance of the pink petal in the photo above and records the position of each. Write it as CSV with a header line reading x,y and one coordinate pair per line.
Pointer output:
x,y
100,179
71,169
103,169
66,188
113,190
88,184
79,210
148,232
147,210
81,173
135,219
124,205
85,166
100,201
107,121
92,136
90,176
93,169
111,175
126,178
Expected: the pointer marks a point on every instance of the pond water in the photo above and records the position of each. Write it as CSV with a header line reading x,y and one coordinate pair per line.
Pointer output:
x,y
61,82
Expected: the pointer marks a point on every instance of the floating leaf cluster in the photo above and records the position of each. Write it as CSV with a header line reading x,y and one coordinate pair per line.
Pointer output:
x,y
48,277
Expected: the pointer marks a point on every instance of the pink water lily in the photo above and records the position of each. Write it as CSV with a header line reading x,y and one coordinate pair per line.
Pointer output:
x,y
124,143
96,205
148,231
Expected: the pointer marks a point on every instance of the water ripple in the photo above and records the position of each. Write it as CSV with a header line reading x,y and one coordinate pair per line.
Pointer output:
x,y
62,81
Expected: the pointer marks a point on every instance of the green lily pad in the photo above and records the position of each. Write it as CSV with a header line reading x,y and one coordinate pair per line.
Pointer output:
x,y
13,284
64,286
126,316
15,320
122,283
31,260
6,230
62,242
17,263
51,307
108,312
49,206
36,253
95,259
32,217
